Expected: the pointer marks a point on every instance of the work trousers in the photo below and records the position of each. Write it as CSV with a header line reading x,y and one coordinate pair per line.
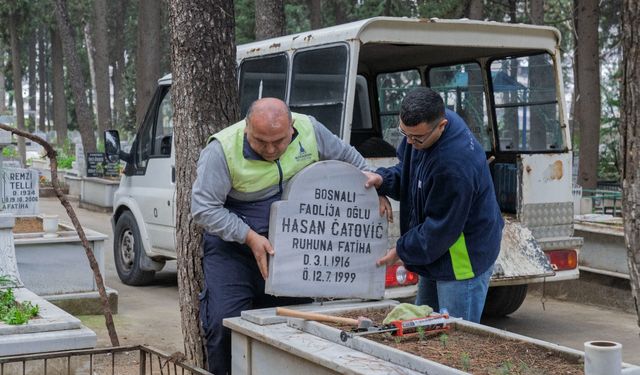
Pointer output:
x,y
233,283
462,298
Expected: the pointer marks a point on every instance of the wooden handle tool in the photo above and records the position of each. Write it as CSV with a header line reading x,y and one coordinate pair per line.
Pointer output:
x,y
316,317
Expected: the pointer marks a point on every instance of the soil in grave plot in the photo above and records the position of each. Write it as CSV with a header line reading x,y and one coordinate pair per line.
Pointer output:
x,y
28,225
476,353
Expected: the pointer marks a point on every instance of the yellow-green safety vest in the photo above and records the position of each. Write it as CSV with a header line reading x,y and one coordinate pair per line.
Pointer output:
x,y
248,175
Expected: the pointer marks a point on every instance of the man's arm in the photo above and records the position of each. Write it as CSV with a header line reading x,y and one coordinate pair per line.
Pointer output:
x,y
330,147
391,177
447,209
209,194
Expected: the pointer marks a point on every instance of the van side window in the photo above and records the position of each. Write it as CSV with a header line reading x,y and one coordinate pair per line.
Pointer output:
x,y
392,88
462,88
526,106
261,78
164,128
318,84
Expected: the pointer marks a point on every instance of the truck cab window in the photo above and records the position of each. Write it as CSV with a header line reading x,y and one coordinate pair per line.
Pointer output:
x,y
318,84
145,145
526,106
262,78
392,88
462,88
164,128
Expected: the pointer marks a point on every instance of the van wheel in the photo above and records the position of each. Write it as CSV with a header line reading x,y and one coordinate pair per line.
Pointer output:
x,y
127,250
504,300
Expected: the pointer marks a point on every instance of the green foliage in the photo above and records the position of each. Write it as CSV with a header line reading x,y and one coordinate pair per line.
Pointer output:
x,y
10,152
444,339
12,312
465,361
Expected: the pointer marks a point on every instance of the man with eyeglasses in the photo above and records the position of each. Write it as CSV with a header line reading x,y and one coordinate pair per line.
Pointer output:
x,y
242,170
450,221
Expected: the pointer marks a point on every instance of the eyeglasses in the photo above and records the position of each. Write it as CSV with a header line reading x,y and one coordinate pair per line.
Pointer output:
x,y
417,139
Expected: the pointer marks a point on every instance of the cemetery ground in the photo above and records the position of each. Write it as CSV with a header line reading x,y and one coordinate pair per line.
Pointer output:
x,y
150,315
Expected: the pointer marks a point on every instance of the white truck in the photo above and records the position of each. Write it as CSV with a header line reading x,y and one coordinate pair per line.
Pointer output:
x,y
505,80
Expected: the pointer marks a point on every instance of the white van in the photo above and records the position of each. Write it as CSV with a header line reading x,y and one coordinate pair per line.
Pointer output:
x,y
505,80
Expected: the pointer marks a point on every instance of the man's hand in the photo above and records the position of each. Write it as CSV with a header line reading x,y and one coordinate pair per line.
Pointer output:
x,y
373,179
261,248
390,259
385,208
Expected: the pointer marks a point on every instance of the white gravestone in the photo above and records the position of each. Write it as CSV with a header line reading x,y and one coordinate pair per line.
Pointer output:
x,y
80,160
19,191
327,234
8,263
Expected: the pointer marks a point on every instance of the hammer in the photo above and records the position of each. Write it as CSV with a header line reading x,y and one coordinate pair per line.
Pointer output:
x,y
361,323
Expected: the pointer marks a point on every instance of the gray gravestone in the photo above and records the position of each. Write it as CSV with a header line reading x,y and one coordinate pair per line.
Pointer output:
x,y
327,234
19,191
80,160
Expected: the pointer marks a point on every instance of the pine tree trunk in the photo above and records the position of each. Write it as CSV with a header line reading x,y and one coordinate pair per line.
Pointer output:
x,y
119,11
537,12
101,66
204,96
83,113
3,89
587,57
148,54
33,84
270,19
90,58
57,87
42,79
630,133
476,9
315,16
17,84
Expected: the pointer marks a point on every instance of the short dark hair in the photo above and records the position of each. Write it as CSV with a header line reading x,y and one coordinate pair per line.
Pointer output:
x,y
420,105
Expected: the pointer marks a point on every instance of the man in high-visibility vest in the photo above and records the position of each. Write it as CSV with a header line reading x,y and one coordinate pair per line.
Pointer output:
x,y
243,169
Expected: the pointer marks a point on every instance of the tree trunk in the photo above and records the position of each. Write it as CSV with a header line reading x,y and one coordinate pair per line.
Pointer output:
x,y
33,84
90,58
83,113
3,88
587,112
148,54
42,78
476,9
204,97
537,12
57,88
630,120
270,21
315,13
17,84
119,12
101,66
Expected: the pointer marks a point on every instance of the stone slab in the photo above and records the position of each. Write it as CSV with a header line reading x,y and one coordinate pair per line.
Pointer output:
x,y
50,317
327,234
29,343
84,303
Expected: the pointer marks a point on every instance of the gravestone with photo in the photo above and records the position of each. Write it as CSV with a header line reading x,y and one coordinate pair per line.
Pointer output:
x,y
111,169
327,234
19,191
95,164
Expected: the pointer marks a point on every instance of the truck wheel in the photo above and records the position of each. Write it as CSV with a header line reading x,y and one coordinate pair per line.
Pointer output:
x,y
127,250
504,300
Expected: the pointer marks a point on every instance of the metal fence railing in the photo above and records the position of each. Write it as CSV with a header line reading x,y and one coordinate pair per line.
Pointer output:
x,y
122,360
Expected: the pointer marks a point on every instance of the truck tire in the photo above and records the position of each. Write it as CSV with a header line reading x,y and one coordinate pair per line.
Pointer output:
x,y
127,250
504,300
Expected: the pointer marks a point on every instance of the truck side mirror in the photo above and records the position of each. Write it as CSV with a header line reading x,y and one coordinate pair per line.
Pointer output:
x,y
112,145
